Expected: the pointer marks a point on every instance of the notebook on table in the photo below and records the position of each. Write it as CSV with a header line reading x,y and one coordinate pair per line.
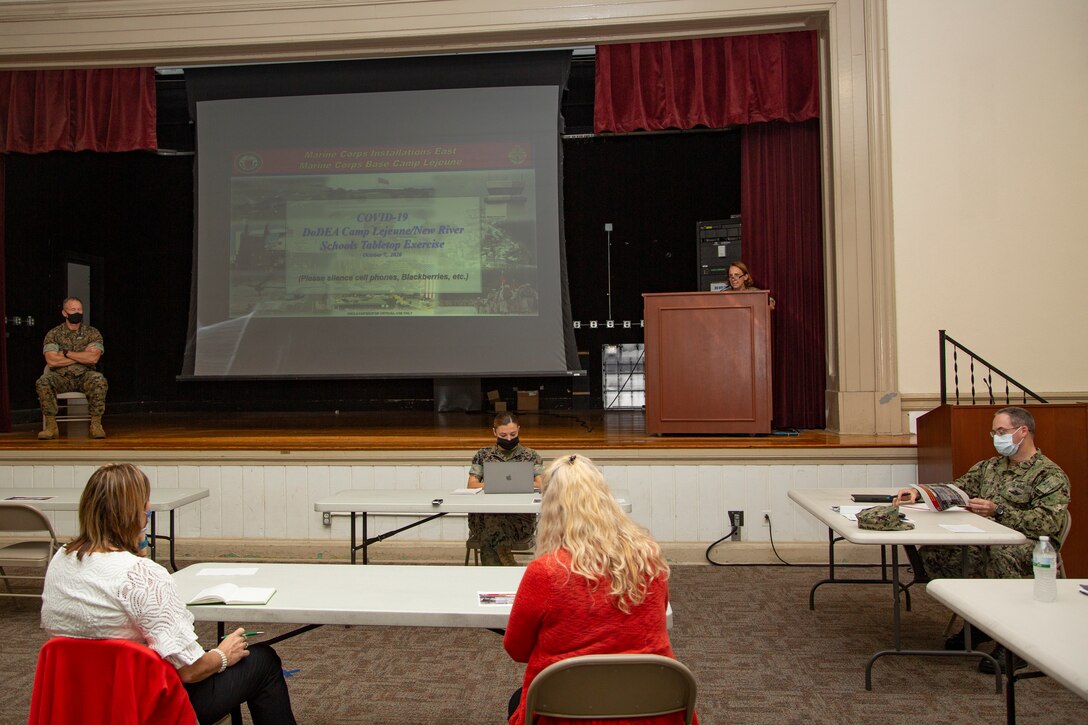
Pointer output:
x,y
508,477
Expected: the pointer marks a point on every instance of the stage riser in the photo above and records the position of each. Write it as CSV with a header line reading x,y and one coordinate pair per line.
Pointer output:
x,y
678,503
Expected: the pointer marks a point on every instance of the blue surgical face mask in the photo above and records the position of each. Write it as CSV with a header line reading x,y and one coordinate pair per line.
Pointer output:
x,y
1003,444
146,541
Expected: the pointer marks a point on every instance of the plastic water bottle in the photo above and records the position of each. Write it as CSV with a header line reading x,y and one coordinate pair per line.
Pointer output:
x,y
1044,562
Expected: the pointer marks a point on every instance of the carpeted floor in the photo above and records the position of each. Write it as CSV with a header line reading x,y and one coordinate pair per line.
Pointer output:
x,y
759,654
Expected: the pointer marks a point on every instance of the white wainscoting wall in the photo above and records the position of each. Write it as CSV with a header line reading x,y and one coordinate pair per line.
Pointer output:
x,y
677,503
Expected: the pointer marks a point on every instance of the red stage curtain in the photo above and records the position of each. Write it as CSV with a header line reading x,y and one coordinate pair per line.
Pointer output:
x,y
77,110
712,82
782,233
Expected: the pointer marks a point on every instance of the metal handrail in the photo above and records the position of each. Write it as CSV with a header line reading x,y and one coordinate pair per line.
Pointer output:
x,y
988,378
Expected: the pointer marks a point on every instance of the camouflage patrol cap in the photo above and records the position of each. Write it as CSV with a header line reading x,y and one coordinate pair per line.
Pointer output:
x,y
882,518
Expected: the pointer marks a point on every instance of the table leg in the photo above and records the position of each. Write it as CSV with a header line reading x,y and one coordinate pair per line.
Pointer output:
x,y
173,564
924,652
152,538
353,536
832,579
1010,687
366,541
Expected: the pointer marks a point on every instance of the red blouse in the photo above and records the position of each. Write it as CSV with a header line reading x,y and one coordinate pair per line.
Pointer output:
x,y
557,615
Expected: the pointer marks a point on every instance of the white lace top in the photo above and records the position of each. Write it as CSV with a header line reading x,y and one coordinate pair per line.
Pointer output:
x,y
117,595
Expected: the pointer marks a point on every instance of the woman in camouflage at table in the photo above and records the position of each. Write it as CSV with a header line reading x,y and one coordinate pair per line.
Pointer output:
x,y
497,533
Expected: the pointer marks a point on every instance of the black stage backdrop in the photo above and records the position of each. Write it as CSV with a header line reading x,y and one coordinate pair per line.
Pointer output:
x,y
132,214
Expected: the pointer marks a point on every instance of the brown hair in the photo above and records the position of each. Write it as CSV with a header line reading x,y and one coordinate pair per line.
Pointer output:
x,y
748,283
1019,417
112,510
505,417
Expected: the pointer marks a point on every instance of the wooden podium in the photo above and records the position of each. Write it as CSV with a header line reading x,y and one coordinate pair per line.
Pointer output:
x,y
952,438
708,362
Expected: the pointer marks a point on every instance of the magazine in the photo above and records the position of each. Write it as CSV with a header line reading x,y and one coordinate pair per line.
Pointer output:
x,y
940,496
228,593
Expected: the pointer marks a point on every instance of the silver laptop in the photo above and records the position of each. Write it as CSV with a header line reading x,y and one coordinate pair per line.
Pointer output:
x,y
508,477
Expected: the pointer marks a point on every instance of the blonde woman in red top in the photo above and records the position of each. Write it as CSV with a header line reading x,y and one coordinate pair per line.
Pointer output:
x,y
598,585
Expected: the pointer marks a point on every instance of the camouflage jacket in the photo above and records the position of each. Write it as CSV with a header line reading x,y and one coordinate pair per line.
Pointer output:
x,y
495,454
1034,494
61,339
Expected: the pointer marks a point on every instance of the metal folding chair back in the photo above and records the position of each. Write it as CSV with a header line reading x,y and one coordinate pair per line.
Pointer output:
x,y
32,542
612,686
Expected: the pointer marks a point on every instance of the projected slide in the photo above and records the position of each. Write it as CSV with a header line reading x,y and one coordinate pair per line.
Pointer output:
x,y
384,231
392,233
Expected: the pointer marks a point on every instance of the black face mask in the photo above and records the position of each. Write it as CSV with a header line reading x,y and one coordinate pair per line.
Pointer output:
x,y
75,317
507,445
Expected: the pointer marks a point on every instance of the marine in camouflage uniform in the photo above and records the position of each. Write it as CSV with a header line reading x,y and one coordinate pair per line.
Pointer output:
x,y
74,377
498,532
1031,496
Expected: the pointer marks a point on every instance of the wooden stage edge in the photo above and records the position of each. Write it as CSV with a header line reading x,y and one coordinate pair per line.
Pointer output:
x,y
425,438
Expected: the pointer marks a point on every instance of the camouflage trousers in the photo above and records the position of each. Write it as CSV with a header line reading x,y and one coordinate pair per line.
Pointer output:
x,y
92,384
983,562
497,535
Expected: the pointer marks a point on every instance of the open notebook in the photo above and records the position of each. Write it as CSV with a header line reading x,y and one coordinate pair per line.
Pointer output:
x,y
227,593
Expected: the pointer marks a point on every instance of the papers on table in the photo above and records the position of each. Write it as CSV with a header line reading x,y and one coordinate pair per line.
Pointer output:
x,y
28,498
225,571
227,593
496,599
851,512
467,491
962,528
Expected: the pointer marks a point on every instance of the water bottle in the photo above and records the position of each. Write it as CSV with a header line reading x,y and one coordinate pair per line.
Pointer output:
x,y
1044,562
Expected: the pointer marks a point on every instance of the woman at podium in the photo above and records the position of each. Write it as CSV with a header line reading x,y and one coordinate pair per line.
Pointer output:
x,y
740,280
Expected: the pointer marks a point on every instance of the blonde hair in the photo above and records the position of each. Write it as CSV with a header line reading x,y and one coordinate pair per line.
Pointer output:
x,y
578,513
112,510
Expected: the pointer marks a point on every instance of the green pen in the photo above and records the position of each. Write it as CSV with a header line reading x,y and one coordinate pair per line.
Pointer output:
x,y
244,634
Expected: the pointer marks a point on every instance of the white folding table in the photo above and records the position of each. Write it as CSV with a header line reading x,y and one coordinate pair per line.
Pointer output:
x,y
928,530
387,595
1052,636
67,499
429,504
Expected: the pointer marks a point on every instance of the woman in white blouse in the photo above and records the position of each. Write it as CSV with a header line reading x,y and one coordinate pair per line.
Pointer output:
x,y
100,586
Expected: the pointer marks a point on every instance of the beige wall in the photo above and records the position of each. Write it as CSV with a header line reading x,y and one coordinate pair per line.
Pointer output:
x,y
862,382
989,109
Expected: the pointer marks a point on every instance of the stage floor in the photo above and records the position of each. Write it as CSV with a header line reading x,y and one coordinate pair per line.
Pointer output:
x,y
410,431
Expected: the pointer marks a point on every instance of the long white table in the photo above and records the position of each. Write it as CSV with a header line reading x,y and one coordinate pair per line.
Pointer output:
x,y
430,505
1051,636
67,499
927,531
393,595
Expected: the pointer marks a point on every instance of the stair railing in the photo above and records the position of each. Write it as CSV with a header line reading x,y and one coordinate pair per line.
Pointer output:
x,y
987,378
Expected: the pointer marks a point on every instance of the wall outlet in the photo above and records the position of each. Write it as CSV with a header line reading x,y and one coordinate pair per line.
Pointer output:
x,y
766,518
608,226
736,520
326,518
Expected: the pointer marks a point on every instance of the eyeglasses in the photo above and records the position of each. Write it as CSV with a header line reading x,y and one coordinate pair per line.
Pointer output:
x,y
1003,431
737,276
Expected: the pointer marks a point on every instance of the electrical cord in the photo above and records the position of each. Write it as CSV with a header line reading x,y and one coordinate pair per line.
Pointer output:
x,y
767,517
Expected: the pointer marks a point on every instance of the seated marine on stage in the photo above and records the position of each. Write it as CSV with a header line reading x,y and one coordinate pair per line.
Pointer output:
x,y
101,585
1019,488
71,350
599,584
497,533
